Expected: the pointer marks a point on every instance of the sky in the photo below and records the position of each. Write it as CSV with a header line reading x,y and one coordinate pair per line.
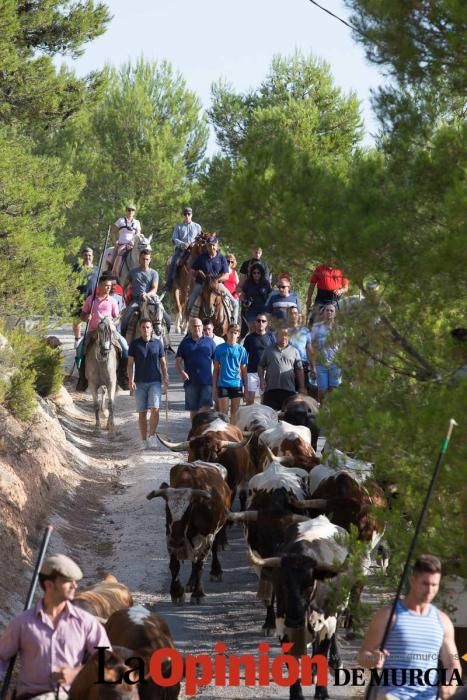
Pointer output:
x,y
210,39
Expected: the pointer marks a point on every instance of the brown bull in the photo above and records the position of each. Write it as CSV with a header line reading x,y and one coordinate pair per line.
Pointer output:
x,y
197,503
144,633
226,447
104,598
113,671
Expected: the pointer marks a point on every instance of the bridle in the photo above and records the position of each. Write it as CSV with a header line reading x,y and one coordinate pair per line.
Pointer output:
x,y
104,340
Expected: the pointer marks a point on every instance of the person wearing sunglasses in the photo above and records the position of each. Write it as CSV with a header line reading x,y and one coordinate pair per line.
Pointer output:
x,y
279,302
255,344
322,351
254,293
183,237
211,265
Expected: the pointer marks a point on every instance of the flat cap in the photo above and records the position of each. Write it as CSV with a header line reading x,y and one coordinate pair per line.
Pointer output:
x,y
187,210
62,565
87,249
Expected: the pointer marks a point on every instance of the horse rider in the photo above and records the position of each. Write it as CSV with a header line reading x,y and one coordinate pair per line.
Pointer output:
x,y
123,233
144,283
93,310
211,265
53,638
88,273
183,237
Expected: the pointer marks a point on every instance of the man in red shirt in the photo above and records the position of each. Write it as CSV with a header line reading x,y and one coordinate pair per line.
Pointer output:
x,y
330,283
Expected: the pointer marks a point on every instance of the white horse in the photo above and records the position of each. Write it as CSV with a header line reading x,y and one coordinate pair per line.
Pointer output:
x,y
101,369
129,259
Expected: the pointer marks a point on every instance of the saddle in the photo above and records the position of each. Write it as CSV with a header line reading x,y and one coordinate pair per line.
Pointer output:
x,y
228,306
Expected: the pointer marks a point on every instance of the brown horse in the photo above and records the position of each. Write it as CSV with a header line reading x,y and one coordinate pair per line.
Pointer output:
x,y
212,305
184,281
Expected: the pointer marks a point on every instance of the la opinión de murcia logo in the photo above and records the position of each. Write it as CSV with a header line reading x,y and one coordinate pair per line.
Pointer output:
x,y
167,667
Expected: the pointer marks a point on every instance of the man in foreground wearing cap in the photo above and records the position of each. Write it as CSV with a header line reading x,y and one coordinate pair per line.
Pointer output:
x,y
214,266
54,638
183,236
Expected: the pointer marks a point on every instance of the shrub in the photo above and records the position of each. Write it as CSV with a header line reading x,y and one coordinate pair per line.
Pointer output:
x,y
21,395
48,364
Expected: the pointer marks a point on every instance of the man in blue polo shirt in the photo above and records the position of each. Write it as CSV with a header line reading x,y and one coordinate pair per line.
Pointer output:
x,y
211,265
194,365
146,359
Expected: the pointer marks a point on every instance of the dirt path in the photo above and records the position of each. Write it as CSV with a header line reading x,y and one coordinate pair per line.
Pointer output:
x,y
110,526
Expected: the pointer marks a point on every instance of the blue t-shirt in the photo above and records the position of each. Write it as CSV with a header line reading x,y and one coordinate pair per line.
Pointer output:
x,y
197,358
230,358
299,339
255,344
212,267
278,305
147,357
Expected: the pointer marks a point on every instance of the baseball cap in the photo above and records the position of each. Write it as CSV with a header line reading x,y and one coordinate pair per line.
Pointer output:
x,y
212,239
187,210
131,206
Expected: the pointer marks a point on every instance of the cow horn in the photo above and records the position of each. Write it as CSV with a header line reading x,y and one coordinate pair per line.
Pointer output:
x,y
271,455
286,460
174,446
156,494
316,503
273,562
299,518
245,516
242,443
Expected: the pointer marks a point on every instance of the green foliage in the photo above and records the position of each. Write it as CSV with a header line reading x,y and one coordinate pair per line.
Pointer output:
x,y
48,365
144,142
21,394
419,42
276,142
34,194
33,92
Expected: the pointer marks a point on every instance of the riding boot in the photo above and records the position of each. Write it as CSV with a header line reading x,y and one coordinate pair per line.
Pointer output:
x,y
122,374
82,383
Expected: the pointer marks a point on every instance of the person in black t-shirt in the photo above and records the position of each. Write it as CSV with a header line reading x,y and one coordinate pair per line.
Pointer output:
x,y
255,343
257,254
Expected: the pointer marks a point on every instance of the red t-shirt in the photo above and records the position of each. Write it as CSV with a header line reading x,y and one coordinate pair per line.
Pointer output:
x,y
328,278
231,283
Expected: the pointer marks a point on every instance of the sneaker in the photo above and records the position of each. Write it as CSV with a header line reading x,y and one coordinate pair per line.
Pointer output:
x,y
153,443
146,445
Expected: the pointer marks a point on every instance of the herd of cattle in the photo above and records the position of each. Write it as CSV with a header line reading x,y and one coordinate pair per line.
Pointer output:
x,y
297,510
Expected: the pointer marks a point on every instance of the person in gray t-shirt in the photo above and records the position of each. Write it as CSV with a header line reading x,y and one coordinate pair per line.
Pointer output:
x,y
279,365
144,282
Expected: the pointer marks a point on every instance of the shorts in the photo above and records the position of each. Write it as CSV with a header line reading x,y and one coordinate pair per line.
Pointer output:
x,y
229,392
197,396
329,377
253,381
148,395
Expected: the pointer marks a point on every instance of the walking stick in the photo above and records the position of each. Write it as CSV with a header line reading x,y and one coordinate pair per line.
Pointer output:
x,y
27,605
444,447
79,357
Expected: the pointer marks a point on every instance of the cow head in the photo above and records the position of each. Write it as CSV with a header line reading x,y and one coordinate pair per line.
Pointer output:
x,y
209,447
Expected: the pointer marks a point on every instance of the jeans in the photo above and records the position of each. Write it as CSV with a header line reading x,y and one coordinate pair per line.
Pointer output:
x,y
179,254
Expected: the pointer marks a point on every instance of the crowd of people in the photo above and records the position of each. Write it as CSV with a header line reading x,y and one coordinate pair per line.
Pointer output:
x,y
271,349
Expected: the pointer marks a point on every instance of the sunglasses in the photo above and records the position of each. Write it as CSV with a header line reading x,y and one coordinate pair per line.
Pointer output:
x,y
261,320
283,286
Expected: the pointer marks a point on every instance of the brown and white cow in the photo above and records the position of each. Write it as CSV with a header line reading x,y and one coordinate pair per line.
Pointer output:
x,y
221,443
197,504
143,632
302,410
289,440
110,666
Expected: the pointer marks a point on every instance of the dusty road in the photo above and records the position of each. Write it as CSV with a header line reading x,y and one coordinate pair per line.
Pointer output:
x,y
110,526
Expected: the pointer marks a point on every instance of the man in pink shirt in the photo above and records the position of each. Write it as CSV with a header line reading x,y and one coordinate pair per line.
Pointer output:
x,y
93,311
54,638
